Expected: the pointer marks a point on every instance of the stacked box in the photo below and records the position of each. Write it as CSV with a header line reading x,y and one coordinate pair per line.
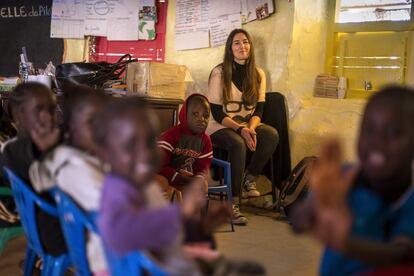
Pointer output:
x,y
326,86
155,79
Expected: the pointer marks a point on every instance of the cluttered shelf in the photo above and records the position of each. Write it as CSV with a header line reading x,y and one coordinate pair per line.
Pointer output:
x,y
164,85
165,109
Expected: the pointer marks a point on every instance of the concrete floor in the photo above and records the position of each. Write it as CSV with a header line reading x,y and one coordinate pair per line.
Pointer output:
x,y
271,242
13,253
265,240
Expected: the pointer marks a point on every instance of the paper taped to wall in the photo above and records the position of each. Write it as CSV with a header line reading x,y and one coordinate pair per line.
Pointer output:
x,y
67,19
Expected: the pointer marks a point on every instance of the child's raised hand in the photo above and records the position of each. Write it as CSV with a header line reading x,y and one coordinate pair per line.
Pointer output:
x,y
194,197
333,227
200,251
328,183
217,215
330,188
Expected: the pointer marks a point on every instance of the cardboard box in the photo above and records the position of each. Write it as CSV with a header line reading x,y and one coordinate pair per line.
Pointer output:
x,y
155,79
326,86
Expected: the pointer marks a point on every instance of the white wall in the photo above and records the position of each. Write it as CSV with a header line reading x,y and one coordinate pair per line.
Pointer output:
x,y
271,39
315,118
290,47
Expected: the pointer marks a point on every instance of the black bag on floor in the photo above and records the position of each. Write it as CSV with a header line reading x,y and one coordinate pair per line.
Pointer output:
x,y
296,185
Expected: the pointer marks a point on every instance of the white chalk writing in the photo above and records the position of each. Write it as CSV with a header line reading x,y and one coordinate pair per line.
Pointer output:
x,y
24,11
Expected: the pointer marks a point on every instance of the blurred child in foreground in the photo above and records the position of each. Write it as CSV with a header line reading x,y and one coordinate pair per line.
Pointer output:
x,y
134,214
73,165
364,215
33,108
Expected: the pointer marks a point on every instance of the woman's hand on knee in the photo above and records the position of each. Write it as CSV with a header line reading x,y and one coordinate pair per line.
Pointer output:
x,y
254,137
249,136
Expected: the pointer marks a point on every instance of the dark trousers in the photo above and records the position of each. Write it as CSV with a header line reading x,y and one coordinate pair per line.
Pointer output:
x,y
234,145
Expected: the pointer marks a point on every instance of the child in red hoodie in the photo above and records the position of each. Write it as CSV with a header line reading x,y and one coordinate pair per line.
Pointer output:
x,y
187,149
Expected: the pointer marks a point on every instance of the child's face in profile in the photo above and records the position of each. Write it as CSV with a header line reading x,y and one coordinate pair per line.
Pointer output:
x,y
38,111
198,114
386,146
131,148
80,127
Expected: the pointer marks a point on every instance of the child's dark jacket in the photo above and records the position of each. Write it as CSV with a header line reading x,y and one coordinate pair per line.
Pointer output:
x,y
18,154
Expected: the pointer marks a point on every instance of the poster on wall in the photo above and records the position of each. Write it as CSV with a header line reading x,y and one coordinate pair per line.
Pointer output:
x,y
205,23
123,22
115,19
143,50
223,18
191,24
219,8
147,17
221,27
96,17
67,19
256,9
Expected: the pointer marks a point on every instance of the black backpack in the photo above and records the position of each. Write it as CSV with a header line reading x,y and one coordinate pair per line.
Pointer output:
x,y
296,186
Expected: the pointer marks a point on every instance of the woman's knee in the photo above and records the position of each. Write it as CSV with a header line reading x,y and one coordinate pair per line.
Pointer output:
x,y
238,144
267,134
230,141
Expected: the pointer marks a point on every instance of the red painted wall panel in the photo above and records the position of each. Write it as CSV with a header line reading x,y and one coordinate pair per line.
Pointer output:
x,y
143,50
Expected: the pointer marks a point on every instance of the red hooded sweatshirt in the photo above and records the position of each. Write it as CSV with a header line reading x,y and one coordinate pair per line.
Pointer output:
x,y
184,150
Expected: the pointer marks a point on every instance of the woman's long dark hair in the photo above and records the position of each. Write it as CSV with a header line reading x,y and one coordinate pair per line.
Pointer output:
x,y
251,83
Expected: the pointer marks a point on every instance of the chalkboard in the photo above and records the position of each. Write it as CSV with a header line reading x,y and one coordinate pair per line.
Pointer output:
x,y
27,23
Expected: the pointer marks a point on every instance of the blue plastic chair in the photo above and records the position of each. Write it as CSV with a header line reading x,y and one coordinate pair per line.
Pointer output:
x,y
26,202
133,264
8,233
225,183
74,223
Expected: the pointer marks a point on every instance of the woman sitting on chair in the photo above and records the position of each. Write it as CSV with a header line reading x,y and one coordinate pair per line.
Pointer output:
x,y
236,92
